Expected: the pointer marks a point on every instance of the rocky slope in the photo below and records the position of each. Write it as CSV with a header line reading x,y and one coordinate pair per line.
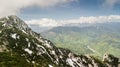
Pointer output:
x,y
22,47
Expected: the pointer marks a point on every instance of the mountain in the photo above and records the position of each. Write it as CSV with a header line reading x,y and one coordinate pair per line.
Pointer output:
x,y
22,47
94,39
38,28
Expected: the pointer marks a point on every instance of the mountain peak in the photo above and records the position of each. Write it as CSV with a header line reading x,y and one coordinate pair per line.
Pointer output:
x,y
11,17
13,21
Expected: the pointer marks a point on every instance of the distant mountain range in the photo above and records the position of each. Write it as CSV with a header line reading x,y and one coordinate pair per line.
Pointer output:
x,y
95,39
39,29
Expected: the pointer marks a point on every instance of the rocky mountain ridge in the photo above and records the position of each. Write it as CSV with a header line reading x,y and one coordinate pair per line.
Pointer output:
x,y
18,40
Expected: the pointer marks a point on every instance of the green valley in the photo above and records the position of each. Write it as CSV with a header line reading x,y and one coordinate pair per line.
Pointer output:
x,y
95,39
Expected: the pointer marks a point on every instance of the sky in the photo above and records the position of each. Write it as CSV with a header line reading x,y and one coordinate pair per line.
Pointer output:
x,y
73,9
59,12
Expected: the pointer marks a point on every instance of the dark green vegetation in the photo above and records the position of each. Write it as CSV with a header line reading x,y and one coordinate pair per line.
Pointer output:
x,y
94,39
13,43
15,57
6,60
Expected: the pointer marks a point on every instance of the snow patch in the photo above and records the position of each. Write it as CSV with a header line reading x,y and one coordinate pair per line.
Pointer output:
x,y
45,51
4,25
16,44
70,62
38,45
61,56
27,39
13,36
27,60
23,31
28,50
18,37
60,51
33,62
53,52
29,44
50,65
47,44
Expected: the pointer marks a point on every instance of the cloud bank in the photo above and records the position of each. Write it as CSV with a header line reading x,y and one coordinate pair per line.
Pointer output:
x,y
12,7
46,22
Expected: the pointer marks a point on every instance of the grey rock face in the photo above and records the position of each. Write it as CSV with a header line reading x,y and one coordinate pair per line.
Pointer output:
x,y
110,60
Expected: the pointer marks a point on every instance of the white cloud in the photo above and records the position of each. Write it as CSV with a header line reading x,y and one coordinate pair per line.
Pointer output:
x,y
45,22
110,3
8,7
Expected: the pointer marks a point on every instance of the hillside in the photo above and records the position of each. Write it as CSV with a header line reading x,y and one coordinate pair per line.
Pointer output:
x,y
95,39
